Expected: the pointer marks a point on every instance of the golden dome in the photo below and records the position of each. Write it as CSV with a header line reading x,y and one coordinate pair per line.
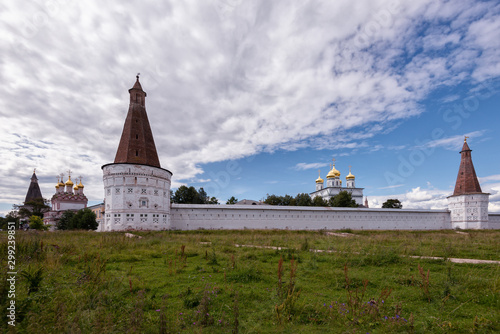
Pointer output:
x,y
333,173
319,179
80,185
76,187
350,176
69,182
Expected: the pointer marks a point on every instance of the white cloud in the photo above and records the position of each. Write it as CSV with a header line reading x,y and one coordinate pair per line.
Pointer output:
x,y
224,80
305,166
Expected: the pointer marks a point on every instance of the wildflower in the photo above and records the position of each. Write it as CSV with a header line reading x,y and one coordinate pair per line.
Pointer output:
x,y
158,310
331,306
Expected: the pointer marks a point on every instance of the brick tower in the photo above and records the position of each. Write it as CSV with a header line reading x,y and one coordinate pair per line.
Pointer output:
x,y
468,204
136,188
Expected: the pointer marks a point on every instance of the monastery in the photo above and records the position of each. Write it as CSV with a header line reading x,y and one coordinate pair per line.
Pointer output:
x,y
137,196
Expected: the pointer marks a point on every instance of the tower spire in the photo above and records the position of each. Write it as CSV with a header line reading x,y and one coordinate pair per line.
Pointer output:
x,y
467,182
137,145
34,191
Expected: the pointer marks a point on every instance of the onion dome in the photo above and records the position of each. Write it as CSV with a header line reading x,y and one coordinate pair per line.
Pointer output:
x,y
76,187
333,173
350,176
69,182
319,179
58,184
80,185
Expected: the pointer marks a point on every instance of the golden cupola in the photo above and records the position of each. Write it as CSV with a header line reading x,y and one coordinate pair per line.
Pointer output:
x,y
319,179
69,182
58,184
333,173
350,176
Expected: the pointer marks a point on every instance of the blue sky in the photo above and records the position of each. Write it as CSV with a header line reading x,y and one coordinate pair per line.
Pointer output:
x,y
249,98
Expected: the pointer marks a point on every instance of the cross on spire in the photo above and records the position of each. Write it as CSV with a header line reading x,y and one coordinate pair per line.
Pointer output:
x,y
465,139
69,173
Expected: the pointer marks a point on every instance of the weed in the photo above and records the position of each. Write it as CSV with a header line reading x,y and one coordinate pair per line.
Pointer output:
x,y
425,283
34,278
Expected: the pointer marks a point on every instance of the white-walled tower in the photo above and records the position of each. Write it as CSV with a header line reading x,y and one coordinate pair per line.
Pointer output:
x,y
468,204
136,188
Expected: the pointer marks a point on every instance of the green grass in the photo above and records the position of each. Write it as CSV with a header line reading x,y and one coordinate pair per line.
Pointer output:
x,y
200,282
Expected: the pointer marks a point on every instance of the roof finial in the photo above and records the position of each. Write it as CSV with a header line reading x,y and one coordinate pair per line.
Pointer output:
x,y
137,76
319,172
465,139
34,170
350,168
333,159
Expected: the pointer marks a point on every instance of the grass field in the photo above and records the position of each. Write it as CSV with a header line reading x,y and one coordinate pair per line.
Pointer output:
x,y
201,282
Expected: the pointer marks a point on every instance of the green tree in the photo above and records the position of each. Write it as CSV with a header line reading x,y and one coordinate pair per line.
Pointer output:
x,y
36,223
392,204
84,219
288,200
10,217
319,201
36,207
64,223
232,200
202,197
303,199
212,200
342,200
185,195
274,200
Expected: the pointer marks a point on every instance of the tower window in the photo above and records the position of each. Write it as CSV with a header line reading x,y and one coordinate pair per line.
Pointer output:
x,y
136,153
136,136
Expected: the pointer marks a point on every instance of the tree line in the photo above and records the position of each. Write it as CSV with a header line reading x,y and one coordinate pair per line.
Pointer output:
x,y
342,199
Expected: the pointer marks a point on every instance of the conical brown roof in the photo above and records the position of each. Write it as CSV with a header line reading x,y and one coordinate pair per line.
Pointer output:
x,y
34,191
467,182
137,145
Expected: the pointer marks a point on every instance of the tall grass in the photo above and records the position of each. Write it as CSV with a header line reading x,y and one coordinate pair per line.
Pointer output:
x,y
199,281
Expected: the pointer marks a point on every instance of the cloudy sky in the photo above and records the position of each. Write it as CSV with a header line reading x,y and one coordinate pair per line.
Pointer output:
x,y
249,98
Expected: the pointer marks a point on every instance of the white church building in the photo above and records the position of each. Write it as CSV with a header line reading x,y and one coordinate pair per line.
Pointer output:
x,y
137,196
334,186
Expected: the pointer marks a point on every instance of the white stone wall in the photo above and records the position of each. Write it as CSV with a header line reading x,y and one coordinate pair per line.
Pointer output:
x,y
469,211
137,197
494,221
193,217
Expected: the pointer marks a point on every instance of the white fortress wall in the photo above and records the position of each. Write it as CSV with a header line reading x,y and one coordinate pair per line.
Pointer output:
x,y
494,221
196,216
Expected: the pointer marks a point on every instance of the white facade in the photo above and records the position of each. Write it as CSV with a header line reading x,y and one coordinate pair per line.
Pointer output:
x,y
137,197
469,211
327,193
